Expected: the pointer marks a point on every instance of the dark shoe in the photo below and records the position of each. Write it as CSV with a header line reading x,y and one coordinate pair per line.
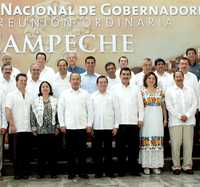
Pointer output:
x,y
71,176
135,173
84,176
25,177
41,176
17,177
189,171
177,172
53,176
98,175
121,174
111,175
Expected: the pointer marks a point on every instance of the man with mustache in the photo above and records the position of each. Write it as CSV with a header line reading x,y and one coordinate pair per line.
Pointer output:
x,y
8,81
181,104
7,60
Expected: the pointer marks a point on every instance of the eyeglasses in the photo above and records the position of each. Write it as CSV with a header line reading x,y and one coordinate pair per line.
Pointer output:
x,y
71,57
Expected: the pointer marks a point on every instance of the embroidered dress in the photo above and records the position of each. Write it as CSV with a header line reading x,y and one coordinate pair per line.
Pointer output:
x,y
151,135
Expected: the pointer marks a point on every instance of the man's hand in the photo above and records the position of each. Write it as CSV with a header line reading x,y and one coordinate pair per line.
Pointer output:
x,y
63,130
184,118
89,130
13,129
114,131
165,123
34,133
140,124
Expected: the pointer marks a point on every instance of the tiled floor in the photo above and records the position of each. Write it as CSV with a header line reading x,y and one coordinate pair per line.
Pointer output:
x,y
164,180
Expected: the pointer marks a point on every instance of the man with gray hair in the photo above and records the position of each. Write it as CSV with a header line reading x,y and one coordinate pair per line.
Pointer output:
x,y
7,59
7,80
34,81
72,60
146,67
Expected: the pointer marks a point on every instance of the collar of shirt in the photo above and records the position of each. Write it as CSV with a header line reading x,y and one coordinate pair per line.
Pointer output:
x,y
91,75
165,74
71,69
20,93
44,70
7,81
112,78
100,93
178,88
76,69
59,76
125,87
141,74
194,64
32,81
74,91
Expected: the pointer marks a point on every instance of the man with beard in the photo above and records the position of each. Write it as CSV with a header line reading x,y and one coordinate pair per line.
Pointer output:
x,y
181,104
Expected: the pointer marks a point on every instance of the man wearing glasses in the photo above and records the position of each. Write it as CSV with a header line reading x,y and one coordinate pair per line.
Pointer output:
x,y
72,61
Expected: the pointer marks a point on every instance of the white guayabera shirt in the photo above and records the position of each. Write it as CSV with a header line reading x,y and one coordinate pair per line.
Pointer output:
x,y
47,74
73,109
130,103
165,81
20,108
103,111
61,84
181,102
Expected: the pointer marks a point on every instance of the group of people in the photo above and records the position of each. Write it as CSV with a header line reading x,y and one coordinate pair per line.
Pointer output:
x,y
132,109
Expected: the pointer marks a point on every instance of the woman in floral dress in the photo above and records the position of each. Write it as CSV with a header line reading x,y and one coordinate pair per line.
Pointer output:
x,y
155,118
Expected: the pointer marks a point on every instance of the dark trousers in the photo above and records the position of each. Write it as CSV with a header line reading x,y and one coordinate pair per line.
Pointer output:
x,y
103,151
76,141
128,145
47,152
21,149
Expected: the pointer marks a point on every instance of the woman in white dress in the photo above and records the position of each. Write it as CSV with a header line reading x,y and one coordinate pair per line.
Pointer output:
x,y
155,118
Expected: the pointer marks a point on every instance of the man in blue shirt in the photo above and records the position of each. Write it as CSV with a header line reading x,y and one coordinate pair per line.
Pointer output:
x,y
88,79
191,54
72,61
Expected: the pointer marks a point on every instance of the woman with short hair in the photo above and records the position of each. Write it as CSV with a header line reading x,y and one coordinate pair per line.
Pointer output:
x,y
44,124
155,116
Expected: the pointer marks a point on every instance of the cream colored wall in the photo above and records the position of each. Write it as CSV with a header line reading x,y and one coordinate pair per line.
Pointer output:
x,y
158,41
